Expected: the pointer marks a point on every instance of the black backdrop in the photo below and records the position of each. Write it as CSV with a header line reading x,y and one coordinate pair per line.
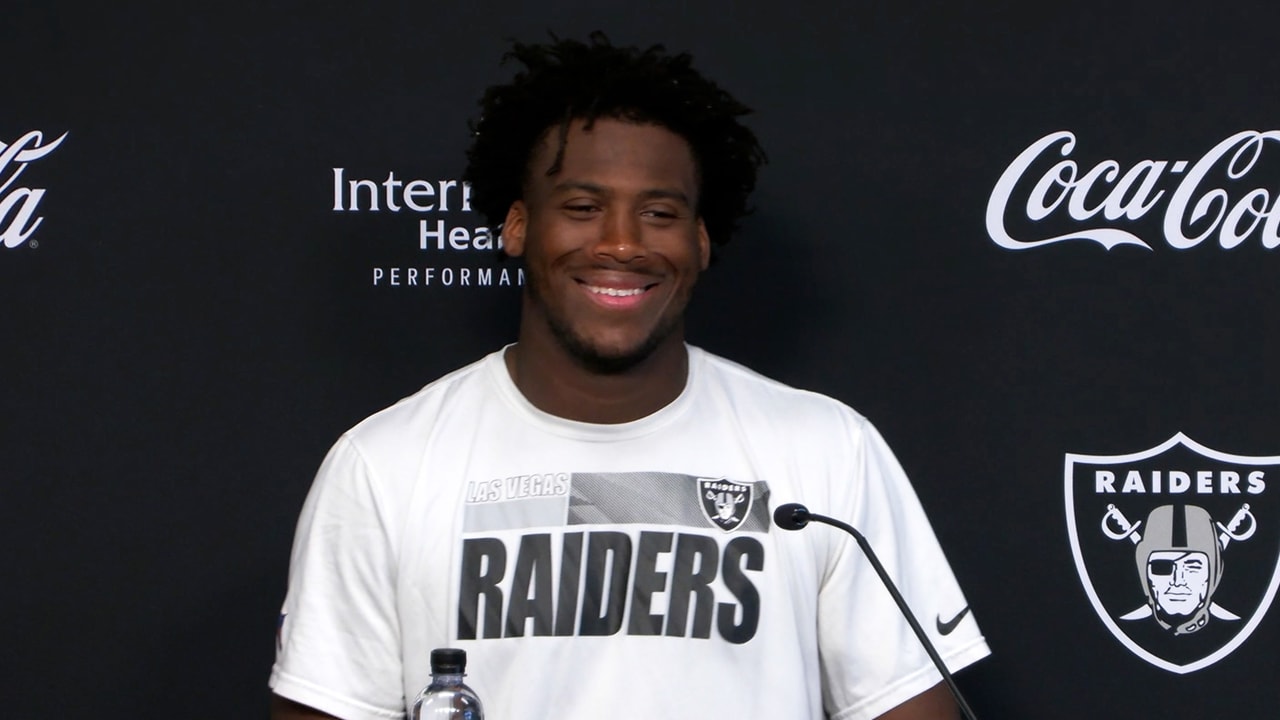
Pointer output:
x,y
193,323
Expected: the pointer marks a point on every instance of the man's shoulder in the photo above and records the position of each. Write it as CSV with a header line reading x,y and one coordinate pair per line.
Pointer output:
x,y
415,413
752,392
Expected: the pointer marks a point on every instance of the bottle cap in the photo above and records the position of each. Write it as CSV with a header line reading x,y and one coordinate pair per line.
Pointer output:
x,y
448,661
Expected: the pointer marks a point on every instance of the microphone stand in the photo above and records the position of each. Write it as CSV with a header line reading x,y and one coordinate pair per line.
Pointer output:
x,y
794,516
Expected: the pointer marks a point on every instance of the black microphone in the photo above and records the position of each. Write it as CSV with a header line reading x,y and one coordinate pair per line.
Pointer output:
x,y
794,516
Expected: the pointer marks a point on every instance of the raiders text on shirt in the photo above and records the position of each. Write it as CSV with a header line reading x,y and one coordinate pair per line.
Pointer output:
x,y
604,583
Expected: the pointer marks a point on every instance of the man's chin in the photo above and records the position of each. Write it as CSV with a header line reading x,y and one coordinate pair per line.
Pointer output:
x,y
611,353
610,361
610,358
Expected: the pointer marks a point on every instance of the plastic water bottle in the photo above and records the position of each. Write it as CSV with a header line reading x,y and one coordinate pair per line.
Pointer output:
x,y
447,697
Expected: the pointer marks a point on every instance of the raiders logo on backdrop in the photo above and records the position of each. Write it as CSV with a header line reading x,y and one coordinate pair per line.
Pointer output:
x,y
1178,547
726,503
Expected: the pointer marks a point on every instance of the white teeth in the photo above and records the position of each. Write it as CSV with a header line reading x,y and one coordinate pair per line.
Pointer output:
x,y
615,292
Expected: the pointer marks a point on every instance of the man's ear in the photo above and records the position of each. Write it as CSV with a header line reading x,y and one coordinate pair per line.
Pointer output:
x,y
704,246
513,229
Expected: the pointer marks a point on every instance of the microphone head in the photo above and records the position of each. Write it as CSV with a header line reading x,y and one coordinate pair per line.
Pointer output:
x,y
791,516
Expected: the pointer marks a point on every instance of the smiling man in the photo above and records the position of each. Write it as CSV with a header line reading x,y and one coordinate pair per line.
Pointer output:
x,y
613,246
586,511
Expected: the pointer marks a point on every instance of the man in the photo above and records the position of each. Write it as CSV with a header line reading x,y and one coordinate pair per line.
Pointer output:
x,y
586,512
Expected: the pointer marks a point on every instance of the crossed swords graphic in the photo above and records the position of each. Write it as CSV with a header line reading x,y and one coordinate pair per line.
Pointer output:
x,y
1230,531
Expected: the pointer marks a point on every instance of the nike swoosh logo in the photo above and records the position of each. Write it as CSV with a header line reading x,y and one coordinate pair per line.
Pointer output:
x,y
945,628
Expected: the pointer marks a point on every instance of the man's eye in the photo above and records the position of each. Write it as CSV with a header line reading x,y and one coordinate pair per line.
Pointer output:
x,y
661,214
581,208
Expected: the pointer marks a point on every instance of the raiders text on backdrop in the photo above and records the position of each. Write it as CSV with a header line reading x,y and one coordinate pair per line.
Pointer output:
x,y
18,219
1196,200
1177,481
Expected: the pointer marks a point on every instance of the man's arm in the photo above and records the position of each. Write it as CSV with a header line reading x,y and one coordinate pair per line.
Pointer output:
x,y
282,709
341,599
935,703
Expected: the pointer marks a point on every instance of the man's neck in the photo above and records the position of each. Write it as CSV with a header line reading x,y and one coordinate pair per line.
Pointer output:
x,y
557,383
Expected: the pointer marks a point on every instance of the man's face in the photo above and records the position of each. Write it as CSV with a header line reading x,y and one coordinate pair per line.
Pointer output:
x,y
1179,580
612,242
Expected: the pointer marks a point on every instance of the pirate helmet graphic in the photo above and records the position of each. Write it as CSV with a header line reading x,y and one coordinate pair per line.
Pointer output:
x,y
1179,565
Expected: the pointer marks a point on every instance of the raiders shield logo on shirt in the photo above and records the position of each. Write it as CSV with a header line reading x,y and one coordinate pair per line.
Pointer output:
x,y
726,503
1154,533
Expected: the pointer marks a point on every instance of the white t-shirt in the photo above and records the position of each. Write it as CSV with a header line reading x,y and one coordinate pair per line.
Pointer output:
x,y
629,570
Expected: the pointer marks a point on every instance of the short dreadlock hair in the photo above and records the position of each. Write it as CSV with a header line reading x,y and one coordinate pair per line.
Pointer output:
x,y
568,80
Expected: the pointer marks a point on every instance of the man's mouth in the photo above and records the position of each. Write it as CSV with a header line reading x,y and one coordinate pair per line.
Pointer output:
x,y
615,292
617,295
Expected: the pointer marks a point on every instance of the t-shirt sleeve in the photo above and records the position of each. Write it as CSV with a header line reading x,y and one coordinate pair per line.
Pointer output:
x,y
338,647
871,659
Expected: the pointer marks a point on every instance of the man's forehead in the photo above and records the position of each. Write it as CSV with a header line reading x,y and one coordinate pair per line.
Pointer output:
x,y
572,185
566,141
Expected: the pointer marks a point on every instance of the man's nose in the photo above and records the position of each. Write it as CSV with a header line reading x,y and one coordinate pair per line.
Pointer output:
x,y
620,237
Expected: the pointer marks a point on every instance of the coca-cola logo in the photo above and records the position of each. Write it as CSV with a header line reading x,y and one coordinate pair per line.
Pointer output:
x,y
19,203
1046,197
